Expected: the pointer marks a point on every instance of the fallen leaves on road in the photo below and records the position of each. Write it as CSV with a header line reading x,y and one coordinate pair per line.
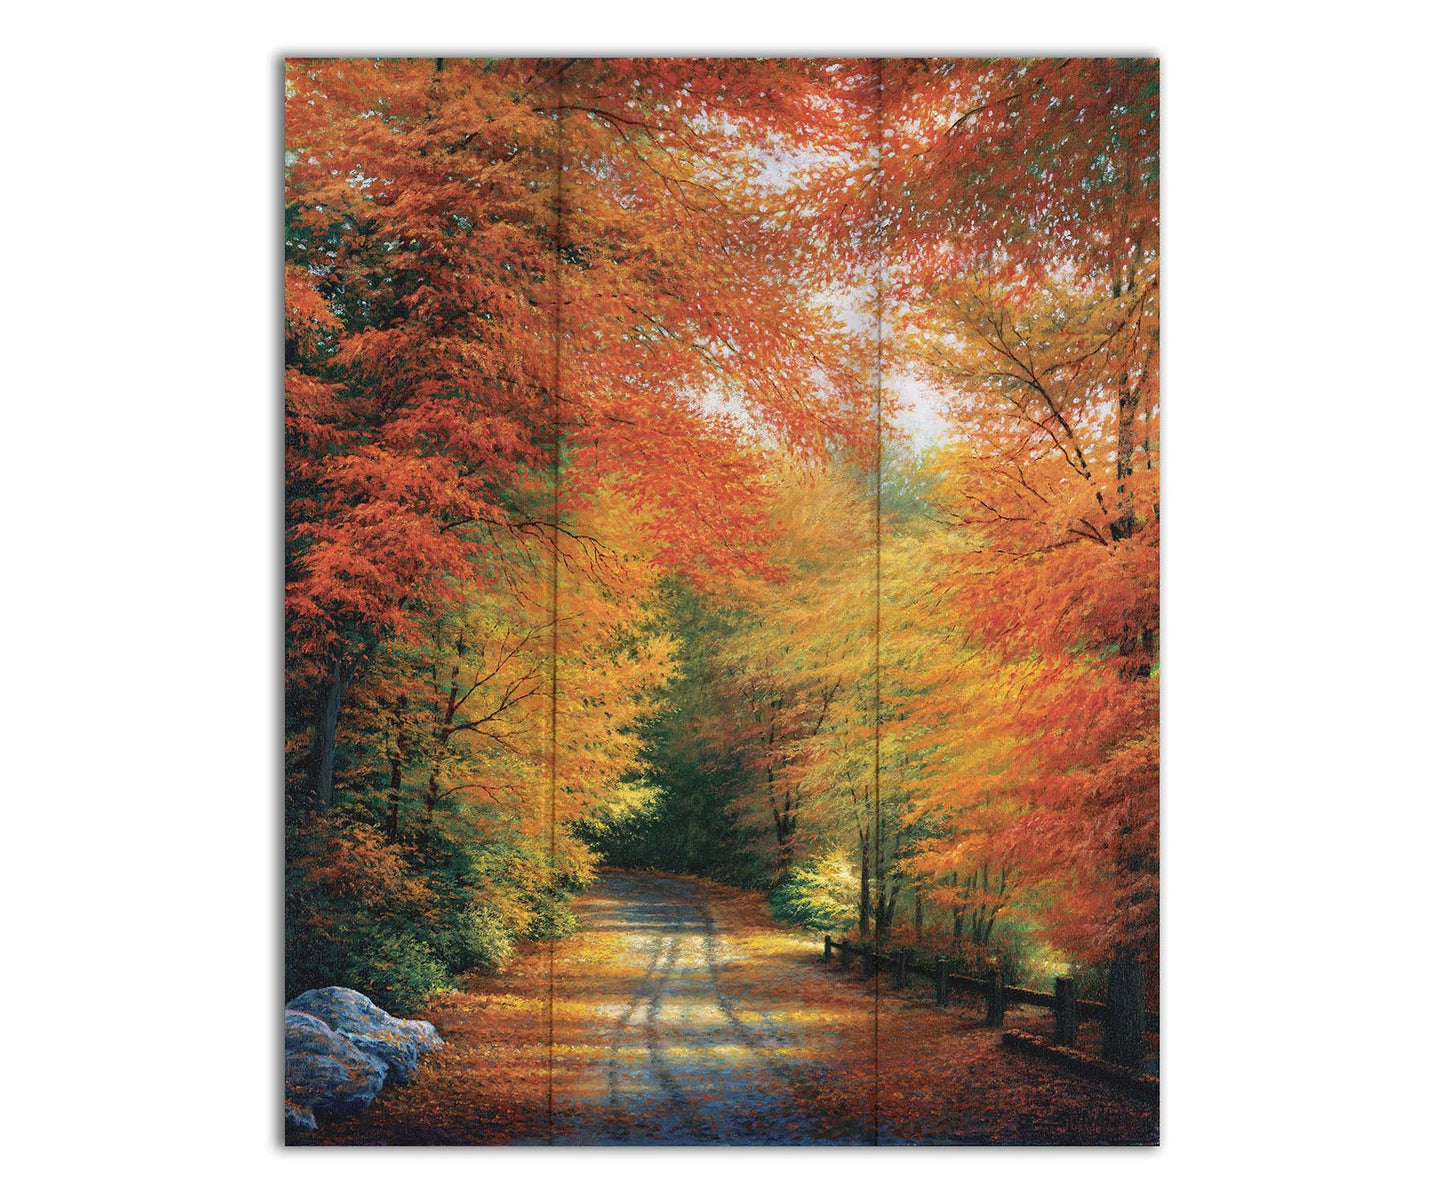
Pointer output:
x,y
764,1043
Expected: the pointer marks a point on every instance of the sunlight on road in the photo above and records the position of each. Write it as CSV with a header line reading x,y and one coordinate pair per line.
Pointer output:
x,y
658,1047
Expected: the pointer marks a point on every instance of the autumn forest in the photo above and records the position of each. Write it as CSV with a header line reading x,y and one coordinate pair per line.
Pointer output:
x,y
742,472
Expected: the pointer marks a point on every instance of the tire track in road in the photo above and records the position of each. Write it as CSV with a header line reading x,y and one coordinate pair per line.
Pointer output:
x,y
660,984
649,997
614,1046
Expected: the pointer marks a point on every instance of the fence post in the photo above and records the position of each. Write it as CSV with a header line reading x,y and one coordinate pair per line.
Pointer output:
x,y
1066,1010
994,1017
827,945
869,969
1124,1020
940,981
846,952
900,969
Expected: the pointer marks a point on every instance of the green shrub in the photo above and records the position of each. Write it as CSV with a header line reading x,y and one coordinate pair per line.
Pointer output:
x,y
480,940
400,973
552,920
820,893
384,961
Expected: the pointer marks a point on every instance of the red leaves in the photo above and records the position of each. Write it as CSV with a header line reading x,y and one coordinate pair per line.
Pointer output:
x,y
484,256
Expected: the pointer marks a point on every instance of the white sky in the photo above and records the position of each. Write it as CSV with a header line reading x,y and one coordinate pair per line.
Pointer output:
x,y
920,410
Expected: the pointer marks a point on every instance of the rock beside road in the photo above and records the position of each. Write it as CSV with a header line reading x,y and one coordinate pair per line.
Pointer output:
x,y
398,1043
325,1072
341,1050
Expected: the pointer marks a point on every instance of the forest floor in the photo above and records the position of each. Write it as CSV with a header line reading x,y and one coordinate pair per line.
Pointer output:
x,y
682,1014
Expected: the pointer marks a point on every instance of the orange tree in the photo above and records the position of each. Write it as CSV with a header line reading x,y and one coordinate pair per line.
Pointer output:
x,y
1025,264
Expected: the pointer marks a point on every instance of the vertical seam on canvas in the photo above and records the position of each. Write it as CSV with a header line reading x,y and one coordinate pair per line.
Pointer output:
x,y
879,903
556,517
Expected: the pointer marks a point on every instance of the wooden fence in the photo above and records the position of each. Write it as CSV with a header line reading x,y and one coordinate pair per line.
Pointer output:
x,y
1124,1019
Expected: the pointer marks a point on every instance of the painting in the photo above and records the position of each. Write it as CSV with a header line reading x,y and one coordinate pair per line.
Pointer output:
x,y
722,601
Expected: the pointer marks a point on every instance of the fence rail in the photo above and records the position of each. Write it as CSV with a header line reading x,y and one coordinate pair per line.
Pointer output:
x,y
1124,1018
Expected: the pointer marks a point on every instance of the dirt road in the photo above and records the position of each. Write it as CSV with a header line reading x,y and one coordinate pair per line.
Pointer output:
x,y
681,1014
688,1036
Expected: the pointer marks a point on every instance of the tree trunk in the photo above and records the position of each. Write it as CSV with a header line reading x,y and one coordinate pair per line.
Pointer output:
x,y
1123,525
444,735
393,809
323,746
887,903
780,815
424,840
864,902
786,822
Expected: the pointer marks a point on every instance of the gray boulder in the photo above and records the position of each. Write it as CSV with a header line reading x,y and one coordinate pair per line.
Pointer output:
x,y
398,1043
325,1072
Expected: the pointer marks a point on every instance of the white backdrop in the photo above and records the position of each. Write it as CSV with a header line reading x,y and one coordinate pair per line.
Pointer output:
x,y
1302,653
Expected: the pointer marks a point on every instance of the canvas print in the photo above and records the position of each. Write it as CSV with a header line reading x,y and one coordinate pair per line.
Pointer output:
x,y
722,601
